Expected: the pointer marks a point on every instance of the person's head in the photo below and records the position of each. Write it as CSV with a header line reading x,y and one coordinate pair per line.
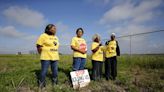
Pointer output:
x,y
50,29
96,38
113,36
79,32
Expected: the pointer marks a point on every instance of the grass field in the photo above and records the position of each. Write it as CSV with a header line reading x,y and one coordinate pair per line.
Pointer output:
x,y
138,73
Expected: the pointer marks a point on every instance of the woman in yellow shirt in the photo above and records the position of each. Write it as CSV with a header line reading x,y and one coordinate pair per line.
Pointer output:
x,y
47,46
97,57
112,51
79,47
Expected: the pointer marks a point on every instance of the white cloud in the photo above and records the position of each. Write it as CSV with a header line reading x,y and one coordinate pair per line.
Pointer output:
x,y
61,27
12,32
130,29
30,37
145,11
99,2
22,41
64,32
128,17
131,18
128,11
65,35
25,16
117,13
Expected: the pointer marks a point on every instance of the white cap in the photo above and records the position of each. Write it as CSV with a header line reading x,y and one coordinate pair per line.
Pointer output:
x,y
113,34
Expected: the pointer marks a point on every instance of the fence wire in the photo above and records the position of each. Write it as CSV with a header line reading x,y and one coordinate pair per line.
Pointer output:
x,y
140,43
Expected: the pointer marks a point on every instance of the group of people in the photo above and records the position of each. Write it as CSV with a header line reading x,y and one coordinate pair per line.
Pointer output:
x,y
48,44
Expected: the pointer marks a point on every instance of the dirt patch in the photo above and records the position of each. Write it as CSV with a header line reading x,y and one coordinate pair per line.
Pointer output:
x,y
24,89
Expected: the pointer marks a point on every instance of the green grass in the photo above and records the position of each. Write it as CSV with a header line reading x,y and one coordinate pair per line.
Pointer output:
x,y
138,73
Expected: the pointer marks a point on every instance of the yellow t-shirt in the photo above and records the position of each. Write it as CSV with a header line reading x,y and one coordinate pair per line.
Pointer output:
x,y
98,55
80,44
50,45
111,49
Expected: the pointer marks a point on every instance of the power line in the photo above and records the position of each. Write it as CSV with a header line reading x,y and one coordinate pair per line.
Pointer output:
x,y
140,33
126,36
131,35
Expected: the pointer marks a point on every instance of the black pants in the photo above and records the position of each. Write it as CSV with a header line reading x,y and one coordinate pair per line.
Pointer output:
x,y
111,67
96,69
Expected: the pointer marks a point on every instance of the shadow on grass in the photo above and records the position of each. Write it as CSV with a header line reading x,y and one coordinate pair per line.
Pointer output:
x,y
37,75
60,69
67,73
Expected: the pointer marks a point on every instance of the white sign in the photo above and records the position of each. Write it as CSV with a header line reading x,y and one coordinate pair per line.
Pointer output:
x,y
80,78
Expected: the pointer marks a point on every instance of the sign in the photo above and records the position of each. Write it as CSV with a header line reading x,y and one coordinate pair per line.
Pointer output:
x,y
80,78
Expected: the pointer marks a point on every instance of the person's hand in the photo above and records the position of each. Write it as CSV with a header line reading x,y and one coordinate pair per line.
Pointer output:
x,y
82,51
39,48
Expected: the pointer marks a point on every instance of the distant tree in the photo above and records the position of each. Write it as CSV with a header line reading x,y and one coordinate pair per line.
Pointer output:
x,y
33,52
19,53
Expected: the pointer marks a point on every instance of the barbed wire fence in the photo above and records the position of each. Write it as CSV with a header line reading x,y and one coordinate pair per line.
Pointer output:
x,y
140,43
139,34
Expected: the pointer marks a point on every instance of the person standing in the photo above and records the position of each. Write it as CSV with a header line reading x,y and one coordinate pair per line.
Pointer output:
x,y
112,51
47,46
97,57
79,47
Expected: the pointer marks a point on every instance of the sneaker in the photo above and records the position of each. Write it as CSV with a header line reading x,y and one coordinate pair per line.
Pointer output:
x,y
54,81
42,85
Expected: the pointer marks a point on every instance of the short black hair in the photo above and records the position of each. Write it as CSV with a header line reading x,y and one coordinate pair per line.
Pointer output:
x,y
79,30
48,27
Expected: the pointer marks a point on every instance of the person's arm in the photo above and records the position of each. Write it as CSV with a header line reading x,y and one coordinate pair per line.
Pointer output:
x,y
73,47
39,43
78,50
58,44
118,49
95,50
39,48
107,42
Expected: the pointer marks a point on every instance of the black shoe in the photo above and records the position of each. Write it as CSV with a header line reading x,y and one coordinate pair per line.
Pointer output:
x,y
107,78
93,79
113,78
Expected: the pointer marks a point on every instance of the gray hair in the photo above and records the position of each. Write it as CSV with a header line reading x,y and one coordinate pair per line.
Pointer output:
x,y
96,36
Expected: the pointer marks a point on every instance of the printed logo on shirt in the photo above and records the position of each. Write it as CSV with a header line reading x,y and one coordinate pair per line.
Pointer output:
x,y
112,48
51,38
53,50
55,43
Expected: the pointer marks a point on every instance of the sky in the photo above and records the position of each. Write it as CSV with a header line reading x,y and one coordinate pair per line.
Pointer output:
x,y
22,21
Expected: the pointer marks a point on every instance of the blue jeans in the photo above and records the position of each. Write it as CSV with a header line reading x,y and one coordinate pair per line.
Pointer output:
x,y
44,67
78,63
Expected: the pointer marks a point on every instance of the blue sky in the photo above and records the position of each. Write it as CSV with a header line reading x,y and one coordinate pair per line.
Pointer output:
x,y
21,22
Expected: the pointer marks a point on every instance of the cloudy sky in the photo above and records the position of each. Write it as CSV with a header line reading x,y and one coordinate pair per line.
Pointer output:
x,y
22,21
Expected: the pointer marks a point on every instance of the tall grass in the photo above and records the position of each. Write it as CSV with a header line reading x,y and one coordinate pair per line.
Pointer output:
x,y
135,73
